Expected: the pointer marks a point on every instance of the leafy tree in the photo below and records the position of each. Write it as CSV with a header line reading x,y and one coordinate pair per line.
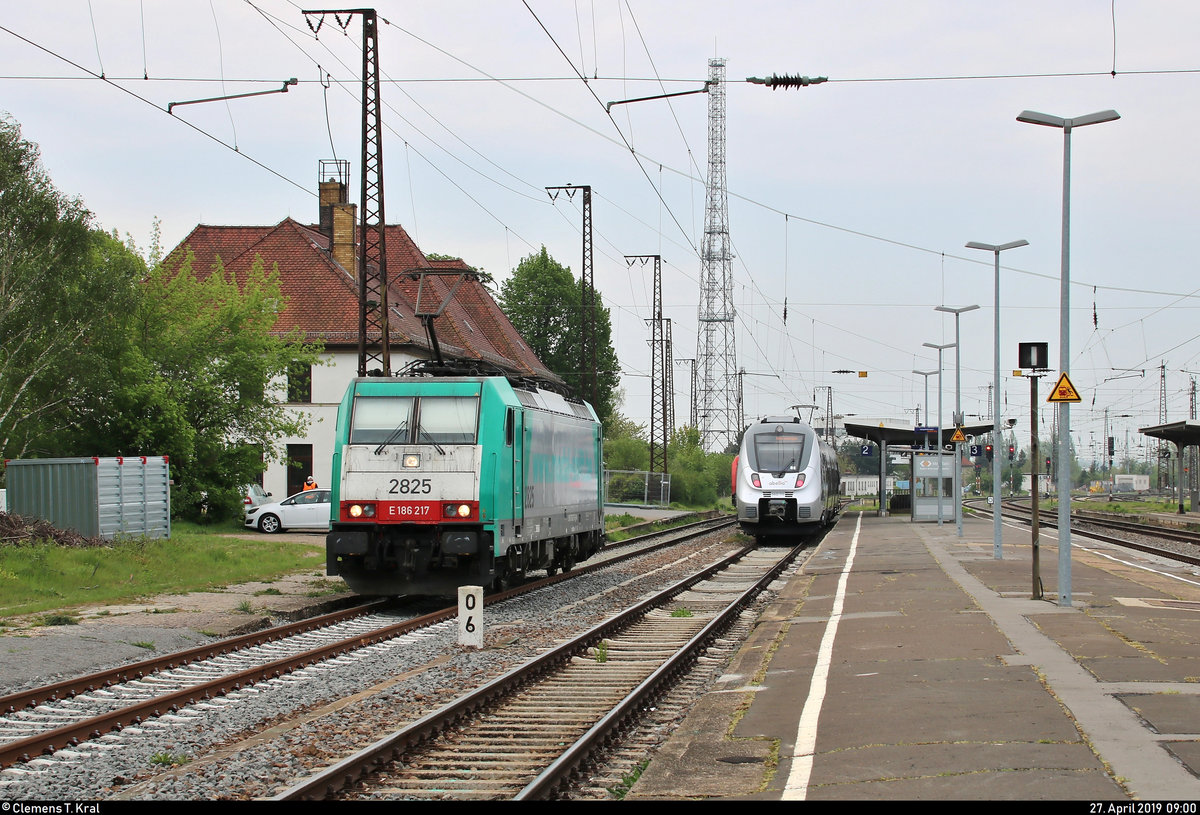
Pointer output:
x,y
543,301
625,445
50,295
102,356
697,478
195,381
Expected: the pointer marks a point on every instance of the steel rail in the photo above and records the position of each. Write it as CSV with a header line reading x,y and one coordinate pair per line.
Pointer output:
x,y
46,742
390,748
1143,529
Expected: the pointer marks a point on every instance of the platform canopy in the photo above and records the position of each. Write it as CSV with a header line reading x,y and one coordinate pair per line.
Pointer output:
x,y
1182,434
895,434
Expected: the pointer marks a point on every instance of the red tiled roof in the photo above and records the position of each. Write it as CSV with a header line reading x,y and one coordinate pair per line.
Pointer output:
x,y
322,297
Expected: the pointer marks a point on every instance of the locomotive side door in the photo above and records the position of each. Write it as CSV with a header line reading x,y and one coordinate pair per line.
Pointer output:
x,y
515,438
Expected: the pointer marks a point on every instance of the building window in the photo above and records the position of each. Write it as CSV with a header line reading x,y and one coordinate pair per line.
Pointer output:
x,y
299,383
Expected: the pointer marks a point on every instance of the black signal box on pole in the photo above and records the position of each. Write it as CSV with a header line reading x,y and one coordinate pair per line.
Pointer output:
x,y
1033,355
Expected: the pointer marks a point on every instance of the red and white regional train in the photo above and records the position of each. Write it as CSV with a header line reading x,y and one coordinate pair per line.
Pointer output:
x,y
786,480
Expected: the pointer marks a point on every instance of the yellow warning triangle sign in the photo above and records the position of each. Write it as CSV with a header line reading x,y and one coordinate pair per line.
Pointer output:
x,y
958,435
1064,391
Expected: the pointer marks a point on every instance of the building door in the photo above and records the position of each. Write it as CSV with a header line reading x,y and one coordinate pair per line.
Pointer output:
x,y
300,462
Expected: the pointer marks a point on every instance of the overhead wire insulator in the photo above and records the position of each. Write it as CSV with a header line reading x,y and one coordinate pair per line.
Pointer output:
x,y
787,81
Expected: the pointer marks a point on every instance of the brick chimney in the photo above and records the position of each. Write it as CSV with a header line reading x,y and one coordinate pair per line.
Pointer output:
x,y
338,216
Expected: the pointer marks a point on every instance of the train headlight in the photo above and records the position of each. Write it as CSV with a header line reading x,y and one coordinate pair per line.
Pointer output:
x,y
412,461
754,480
456,510
361,511
800,481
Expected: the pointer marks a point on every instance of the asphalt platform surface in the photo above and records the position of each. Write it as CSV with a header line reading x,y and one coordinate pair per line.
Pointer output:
x,y
905,662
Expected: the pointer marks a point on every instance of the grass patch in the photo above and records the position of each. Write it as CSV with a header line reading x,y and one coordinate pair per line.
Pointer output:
x,y
627,781
41,576
323,586
169,759
59,619
617,527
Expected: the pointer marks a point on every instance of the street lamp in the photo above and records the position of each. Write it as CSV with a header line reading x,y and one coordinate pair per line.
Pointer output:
x,y
1064,343
940,349
958,419
996,249
925,374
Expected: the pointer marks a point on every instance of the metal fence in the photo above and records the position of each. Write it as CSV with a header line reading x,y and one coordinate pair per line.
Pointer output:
x,y
637,487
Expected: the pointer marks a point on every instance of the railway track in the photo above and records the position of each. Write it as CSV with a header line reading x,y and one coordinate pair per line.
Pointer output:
x,y
1169,542
535,732
62,718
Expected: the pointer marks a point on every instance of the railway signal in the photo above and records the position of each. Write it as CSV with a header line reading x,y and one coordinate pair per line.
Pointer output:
x,y
988,449
1012,451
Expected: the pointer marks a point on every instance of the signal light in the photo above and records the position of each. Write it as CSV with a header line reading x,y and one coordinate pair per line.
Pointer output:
x,y
988,450
1012,451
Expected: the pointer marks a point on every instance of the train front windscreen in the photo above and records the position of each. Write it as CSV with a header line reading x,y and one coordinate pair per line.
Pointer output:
x,y
388,420
778,452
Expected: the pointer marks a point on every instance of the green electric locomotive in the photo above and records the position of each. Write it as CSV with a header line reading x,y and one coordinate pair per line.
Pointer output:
x,y
440,482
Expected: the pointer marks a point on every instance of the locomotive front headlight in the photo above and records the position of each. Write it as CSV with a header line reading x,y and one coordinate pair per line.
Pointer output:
x,y
412,461
754,480
800,481
361,511
456,510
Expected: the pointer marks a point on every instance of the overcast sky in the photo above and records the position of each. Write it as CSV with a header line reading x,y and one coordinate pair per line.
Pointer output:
x,y
849,201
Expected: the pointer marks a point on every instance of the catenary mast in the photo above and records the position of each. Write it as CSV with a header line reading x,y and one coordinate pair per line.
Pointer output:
x,y
716,391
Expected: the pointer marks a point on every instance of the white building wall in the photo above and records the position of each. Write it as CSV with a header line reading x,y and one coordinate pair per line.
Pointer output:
x,y
329,383
856,485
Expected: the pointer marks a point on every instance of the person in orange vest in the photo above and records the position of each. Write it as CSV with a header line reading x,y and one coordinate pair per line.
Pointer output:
x,y
310,484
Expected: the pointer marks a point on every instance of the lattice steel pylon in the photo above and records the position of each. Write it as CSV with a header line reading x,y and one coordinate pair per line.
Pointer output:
x,y
659,372
1162,472
669,374
589,376
374,337
717,386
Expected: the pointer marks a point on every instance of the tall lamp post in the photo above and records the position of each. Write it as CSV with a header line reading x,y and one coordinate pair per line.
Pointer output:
x,y
958,418
996,249
1064,342
941,458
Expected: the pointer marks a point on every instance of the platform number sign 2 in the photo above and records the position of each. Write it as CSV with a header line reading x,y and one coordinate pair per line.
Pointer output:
x,y
867,450
470,616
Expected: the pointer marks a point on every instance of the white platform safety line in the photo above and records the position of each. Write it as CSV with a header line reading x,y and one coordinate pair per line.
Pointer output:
x,y
796,788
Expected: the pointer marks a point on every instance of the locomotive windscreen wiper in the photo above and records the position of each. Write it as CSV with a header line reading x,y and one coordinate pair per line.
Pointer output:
x,y
423,432
392,437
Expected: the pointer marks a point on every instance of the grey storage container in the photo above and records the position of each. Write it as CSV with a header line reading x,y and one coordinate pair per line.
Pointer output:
x,y
96,497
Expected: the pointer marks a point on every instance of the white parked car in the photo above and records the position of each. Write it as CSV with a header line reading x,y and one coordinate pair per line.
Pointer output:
x,y
304,510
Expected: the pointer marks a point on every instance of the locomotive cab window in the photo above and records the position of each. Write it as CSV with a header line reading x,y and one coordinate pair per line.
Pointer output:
x,y
386,420
447,419
776,452
379,419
